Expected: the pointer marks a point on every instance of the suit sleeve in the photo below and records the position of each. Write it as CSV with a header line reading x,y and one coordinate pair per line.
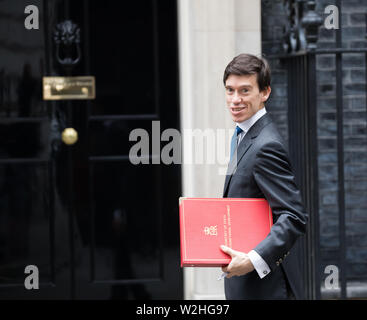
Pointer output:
x,y
274,176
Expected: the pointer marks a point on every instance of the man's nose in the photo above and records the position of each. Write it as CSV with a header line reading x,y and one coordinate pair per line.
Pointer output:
x,y
236,98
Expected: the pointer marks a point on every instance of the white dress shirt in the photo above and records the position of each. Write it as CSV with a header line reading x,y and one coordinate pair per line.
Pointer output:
x,y
247,124
261,267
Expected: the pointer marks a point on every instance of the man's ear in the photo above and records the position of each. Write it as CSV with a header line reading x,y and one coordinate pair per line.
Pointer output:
x,y
265,94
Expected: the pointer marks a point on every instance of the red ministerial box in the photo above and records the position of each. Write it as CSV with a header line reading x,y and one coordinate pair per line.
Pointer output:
x,y
207,223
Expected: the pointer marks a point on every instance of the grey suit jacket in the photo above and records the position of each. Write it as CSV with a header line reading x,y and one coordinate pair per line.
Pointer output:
x,y
262,170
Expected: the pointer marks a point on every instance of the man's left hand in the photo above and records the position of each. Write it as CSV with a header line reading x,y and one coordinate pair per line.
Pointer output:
x,y
240,263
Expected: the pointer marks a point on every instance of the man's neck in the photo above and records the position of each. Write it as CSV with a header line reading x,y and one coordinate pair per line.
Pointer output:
x,y
247,124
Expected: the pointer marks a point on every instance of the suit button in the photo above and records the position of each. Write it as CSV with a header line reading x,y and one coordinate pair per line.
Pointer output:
x,y
280,260
277,263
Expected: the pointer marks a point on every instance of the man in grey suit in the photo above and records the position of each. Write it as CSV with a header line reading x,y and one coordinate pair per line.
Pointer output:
x,y
260,168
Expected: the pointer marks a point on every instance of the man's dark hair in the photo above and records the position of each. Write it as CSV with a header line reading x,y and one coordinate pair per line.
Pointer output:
x,y
247,64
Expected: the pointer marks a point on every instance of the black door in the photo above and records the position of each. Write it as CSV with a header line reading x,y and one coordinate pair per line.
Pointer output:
x,y
95,225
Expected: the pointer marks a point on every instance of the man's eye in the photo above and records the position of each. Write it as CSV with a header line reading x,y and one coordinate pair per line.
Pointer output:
x,y
244,90
229,90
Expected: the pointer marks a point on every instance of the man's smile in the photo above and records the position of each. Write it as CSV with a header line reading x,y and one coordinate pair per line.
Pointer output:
x,y
237,110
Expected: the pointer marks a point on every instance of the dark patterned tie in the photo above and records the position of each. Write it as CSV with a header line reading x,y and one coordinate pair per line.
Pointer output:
x,y
234,140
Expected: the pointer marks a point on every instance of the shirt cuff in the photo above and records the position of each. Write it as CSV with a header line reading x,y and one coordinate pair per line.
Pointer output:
x,y
260,265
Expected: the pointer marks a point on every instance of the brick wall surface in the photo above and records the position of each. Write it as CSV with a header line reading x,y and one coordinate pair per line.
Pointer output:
x,y
353,27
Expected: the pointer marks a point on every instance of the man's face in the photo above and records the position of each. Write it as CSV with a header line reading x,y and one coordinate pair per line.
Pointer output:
x,y
243,96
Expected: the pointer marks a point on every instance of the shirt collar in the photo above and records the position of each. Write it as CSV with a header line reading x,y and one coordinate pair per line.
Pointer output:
x,y
247,124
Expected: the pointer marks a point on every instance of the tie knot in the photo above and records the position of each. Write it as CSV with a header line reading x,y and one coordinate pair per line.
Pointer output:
x,y
238,130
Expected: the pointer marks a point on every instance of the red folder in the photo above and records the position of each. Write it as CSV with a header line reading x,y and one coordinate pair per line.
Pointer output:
x,y
207,223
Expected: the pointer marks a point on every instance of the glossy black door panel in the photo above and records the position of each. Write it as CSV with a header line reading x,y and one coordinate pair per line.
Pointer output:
x,y
26,222
31,133
95,225
22,62
124,42
127,215
126,221
117,133
32,227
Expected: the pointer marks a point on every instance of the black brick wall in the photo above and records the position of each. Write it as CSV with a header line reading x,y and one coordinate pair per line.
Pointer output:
x,y
353,27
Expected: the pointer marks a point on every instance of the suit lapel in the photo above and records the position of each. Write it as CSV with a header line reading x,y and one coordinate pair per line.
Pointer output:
x,y
243,147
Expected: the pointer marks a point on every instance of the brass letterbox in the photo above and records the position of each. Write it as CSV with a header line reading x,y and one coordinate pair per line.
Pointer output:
x,y
69,88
